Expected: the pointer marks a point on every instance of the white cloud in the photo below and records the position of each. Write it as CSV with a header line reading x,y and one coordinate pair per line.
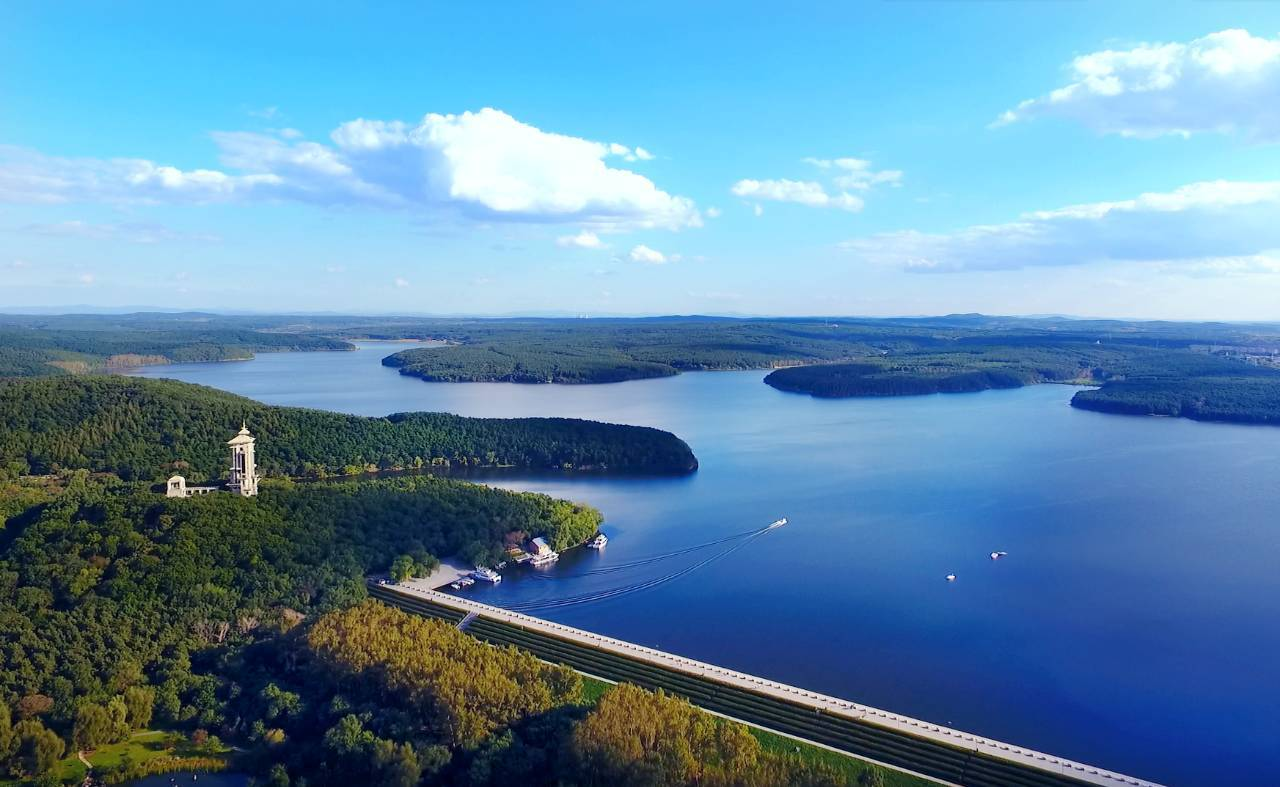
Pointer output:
x,y
86,279
402,282
802,192
642,253
335,269
856,173
712,212
19,264
627,154
1225,82
1190,226
483,165
583,240
845,174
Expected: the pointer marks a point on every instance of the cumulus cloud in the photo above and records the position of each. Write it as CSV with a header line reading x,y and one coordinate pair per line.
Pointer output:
x,y
583,240
483,165
402,282
642,253
1225,82
1201,225
802,192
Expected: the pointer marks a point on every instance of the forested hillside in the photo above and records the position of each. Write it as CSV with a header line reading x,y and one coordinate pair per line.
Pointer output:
x,y
147,429
246,618
607,351
32,351
964,369
1134,380
1203,388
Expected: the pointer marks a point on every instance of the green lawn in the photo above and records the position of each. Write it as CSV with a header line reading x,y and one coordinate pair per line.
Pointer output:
x,y
852,767
141,747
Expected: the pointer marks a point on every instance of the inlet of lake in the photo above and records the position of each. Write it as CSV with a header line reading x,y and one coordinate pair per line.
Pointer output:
x,y
1133,624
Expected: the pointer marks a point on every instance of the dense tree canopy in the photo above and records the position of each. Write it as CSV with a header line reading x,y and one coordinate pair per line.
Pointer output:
x,y
148,429
28,350
111,596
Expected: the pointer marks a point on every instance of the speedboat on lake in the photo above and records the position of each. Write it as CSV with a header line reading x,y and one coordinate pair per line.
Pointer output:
x,y
998,555
598,542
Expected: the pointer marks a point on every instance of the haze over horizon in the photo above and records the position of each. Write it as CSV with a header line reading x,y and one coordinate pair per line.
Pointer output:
x,y
877,160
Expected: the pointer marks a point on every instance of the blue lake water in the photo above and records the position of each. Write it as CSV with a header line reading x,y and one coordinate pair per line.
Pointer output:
x,y
1133,624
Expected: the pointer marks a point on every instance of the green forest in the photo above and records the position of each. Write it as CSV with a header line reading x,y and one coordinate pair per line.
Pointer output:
x,y
245,620
1144,367
148,429
1131,380
31,351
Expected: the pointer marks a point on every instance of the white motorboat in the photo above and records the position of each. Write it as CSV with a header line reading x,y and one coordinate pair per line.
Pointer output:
x,y
598,542
487,575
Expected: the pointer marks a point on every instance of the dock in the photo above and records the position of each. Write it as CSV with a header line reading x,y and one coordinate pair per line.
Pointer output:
x,y
936,752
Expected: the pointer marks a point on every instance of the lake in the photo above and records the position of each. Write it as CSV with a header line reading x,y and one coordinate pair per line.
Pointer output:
x,y
1133,624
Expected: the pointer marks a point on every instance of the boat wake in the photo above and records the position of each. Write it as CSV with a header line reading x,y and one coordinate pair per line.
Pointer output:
x,y
742,539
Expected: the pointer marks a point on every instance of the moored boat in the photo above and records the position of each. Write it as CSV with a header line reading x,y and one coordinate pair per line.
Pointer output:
x,y
487,575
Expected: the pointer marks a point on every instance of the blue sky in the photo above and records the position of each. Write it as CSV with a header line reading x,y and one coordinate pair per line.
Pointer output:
x,y
1116,159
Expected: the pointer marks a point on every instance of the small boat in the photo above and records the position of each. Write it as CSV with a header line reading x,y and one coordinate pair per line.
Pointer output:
x,y
777,524
455,586
487,575
598,542
466,582
998,555
951,577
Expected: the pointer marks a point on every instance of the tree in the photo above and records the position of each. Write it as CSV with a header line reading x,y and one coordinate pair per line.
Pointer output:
x,y
6,733
38,748
33,705
402,568
397,764
140,702
278,776
94,726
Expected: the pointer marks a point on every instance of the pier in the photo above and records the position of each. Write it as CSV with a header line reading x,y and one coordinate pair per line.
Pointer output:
x,y
934,751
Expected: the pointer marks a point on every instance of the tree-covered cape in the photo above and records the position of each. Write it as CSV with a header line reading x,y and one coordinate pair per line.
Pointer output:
x,y
148,429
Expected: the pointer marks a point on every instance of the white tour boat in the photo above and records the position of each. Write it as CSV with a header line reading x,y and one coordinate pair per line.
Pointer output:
x,y
598,542
487,575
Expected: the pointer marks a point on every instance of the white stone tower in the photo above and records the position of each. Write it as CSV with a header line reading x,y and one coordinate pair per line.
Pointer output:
x,y
244,471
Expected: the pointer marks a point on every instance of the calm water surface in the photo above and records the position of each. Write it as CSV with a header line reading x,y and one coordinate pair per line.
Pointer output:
x,y
1133,624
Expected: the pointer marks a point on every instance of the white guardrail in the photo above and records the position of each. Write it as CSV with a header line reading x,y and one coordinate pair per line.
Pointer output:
x,y
833,705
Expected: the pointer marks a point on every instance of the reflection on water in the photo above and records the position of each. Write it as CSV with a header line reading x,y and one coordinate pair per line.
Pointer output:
x,y
1130,625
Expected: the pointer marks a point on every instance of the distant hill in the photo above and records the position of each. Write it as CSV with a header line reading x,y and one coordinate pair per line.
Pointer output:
x,y
144,429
